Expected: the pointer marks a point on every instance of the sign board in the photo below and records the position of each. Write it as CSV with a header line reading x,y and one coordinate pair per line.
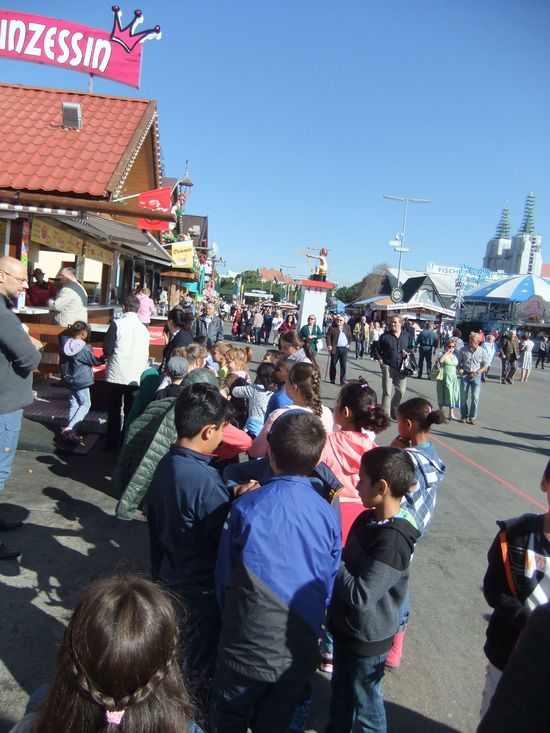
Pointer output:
x,y
114,55
396,295
470,277
182,254
56,239
100,254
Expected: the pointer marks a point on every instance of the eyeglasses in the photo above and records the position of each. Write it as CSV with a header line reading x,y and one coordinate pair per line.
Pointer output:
x,y
19,279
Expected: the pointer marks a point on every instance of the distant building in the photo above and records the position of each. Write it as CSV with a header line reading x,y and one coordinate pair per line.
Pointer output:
x,y
519,255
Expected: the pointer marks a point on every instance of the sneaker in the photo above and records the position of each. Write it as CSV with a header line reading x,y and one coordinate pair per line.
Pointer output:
x,y
472,421
70,436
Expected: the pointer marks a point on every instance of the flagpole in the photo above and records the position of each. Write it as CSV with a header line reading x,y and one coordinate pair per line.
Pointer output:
x,y
125,198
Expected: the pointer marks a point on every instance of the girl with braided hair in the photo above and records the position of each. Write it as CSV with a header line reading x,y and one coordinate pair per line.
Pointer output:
x,y
303,386
117,668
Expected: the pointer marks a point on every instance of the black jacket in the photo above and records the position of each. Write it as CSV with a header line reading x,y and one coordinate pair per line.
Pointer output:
x,y
371,583
390,348
181,338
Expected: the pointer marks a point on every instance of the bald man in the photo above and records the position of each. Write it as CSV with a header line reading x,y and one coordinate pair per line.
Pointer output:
x,y
19,356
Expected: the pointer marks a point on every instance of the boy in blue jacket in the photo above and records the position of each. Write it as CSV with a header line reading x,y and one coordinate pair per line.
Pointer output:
x,y
188,504
369,590
278,556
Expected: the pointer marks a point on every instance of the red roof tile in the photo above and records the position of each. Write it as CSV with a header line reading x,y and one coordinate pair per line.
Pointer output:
x,y
38,154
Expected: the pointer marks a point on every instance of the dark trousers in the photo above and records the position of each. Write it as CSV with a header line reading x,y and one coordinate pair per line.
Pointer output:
x,y
240,702
356,700
424,355
257,334
340,354
374,352
117,394
359,348
540,359
200,626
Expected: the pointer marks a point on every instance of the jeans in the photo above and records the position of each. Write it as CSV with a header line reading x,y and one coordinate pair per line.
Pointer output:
x,y
473,385
391,376
340,354
79,406
357,703
257,330
424,355
10,427
359,348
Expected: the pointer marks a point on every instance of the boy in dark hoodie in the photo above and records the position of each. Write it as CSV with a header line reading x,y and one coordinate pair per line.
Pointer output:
x,y
76,362
369,590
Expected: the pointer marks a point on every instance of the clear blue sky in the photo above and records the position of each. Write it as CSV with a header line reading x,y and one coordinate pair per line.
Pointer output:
x,y
298,115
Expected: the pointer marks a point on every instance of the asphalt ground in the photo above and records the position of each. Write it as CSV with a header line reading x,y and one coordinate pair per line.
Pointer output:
x,y
71,536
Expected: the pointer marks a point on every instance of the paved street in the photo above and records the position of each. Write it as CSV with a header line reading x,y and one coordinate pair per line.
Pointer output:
x,y
493,471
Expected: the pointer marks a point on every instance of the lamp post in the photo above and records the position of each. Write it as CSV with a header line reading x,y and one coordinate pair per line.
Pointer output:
x,y
183,191
399,243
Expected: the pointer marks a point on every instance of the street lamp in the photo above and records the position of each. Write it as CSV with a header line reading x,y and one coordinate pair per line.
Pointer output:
x,y
399,243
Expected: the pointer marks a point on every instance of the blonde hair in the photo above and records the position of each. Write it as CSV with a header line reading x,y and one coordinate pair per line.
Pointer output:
x,y
241,357
222,348
194,352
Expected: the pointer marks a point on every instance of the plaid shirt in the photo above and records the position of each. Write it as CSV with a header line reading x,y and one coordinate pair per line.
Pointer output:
x,y
429,470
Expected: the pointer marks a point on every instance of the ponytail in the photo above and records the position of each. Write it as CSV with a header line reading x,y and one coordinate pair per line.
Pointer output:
x,y
420,412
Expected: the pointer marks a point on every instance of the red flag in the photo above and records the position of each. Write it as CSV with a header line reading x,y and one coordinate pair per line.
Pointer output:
x,y
158,200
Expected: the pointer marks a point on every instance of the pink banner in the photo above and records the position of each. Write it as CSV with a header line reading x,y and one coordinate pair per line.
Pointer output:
x,y
115,55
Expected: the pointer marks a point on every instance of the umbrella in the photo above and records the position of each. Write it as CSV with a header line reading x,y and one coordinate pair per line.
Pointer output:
x,y
516,289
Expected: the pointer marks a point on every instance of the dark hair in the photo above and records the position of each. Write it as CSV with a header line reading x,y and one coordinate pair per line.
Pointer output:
x,y
180,318
296,440
131,303
118,653
546,474
264,375
360,399
79,326
393,465
419,411
203,340
307,379
199,405
294,339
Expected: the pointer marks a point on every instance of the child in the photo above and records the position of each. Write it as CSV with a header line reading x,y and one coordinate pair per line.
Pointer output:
x,y
273,355
219,354
360,418
176,369
279,398
209,361
258,395
304,389
76,362
237,364
370,587
117,666
414,420
516,582
188,503
273,587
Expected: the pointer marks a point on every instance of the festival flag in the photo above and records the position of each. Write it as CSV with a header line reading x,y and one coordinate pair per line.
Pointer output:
x,y
158,200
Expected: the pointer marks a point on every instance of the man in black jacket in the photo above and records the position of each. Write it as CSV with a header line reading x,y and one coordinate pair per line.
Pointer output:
x,y
19,356
209,325
338,342
393,347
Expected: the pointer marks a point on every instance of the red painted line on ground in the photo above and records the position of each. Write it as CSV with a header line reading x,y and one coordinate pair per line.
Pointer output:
x,y
494,476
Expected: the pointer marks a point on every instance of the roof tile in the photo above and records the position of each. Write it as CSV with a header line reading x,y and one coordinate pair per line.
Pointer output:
x,y
38,154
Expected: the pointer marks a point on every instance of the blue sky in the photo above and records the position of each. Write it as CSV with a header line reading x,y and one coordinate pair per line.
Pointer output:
x,y
298,115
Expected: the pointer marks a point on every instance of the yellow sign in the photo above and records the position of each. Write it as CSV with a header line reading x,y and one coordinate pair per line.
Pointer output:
x,y
95,252
57,239
182,254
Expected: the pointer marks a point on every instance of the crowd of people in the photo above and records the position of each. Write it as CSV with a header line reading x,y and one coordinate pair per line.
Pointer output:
x,y
281,535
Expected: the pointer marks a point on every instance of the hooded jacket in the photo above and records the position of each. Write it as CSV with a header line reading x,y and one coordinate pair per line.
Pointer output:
x,y
342,454
76,362
429,470
371,583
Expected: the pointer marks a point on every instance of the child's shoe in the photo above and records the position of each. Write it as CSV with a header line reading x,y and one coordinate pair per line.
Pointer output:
x,y
326,662
70,436
393,660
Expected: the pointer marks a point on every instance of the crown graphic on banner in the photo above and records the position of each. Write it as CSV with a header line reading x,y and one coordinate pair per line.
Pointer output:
x,y
127,37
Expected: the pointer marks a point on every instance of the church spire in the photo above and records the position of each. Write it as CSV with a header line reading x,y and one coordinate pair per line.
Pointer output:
x,y
528,224
503,228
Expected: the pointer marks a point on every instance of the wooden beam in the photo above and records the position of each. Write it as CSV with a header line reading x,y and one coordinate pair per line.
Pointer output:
x,y
46,200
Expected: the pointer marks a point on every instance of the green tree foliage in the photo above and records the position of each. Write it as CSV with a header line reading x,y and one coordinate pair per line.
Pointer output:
x,y
368,287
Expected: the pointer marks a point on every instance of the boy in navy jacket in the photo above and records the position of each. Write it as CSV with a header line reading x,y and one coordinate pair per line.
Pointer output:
x,y
369,590
188,503
278,556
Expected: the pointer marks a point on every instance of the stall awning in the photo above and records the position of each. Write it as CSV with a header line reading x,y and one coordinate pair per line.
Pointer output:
x,y
123,236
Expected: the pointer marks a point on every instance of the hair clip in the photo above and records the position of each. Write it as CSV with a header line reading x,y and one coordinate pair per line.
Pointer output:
x,y
114,717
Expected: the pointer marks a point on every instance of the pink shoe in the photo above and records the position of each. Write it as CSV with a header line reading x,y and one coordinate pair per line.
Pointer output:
x,y
396,652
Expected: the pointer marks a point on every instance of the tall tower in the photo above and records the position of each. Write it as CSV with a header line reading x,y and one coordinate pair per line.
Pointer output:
x,y
497,252
526,245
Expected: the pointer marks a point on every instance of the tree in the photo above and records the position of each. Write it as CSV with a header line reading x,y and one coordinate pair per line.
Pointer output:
x,y
368,287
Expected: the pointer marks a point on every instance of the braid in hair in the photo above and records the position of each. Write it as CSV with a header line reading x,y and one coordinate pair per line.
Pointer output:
x,y
360,399
307,378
